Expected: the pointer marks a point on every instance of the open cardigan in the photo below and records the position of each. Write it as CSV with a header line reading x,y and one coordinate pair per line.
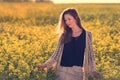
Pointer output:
x,y
89,59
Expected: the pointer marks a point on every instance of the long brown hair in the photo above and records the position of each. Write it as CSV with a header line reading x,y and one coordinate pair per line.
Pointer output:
x,y
63,29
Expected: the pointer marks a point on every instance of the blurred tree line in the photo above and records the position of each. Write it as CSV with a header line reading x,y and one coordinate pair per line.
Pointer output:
x,y
26,1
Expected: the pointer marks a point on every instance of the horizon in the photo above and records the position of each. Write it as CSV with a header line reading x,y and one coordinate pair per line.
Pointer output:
x,y
85,1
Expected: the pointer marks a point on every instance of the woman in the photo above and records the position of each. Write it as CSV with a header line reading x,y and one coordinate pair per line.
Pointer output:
x,y
73,58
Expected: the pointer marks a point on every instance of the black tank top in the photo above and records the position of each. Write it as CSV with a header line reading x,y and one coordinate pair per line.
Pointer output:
x,y
73,52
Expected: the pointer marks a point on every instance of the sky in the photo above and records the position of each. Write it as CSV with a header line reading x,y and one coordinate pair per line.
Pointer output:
x,y
86,1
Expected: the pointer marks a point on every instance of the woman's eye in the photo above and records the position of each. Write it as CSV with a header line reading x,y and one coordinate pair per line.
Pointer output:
x,y
69,19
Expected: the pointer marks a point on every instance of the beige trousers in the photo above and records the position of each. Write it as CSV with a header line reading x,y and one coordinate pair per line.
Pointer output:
x,y
70,73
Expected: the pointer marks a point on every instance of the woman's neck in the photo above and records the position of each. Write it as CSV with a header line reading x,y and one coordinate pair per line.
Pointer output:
x,y
76,31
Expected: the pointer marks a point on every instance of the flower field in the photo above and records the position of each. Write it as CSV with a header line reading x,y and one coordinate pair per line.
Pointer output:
x,y
28,38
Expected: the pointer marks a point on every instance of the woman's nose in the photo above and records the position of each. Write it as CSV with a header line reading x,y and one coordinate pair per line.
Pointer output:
x,y
67,22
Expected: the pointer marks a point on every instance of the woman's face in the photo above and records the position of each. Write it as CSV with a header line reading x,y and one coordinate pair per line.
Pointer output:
x,y
70,20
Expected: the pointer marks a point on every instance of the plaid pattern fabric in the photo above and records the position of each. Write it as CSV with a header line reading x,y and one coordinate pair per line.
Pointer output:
x,y
89,59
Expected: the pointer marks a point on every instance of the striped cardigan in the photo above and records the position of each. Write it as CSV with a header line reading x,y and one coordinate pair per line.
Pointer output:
x,y
89,60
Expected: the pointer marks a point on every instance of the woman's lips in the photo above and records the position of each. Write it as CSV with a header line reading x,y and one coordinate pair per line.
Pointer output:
x,y
68,24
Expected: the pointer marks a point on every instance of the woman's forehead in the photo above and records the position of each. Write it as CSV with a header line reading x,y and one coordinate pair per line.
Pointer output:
x,y
68,16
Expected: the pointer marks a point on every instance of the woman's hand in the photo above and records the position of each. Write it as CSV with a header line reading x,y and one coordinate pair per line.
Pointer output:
x,y
42,66
96,74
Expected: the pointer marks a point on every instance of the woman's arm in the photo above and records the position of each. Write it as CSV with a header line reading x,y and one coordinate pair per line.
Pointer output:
x,y
52,61
92,64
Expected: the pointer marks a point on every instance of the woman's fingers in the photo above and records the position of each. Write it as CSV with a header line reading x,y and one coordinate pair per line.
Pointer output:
x,y
40,67
97,74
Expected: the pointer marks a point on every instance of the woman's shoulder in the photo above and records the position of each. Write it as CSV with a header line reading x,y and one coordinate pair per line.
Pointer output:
x,y
88,32
61,36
